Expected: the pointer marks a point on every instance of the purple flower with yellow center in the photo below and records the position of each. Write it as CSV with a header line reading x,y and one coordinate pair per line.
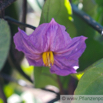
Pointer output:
x,y
50,45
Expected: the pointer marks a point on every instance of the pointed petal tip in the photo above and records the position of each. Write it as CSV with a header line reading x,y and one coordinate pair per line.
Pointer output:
x,y
84,38
52,20
19,29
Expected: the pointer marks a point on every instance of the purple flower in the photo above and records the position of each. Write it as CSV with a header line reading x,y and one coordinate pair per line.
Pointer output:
x,y
50,45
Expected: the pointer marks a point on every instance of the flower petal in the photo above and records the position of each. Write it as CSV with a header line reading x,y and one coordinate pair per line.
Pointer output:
x,y
63,72
79,43
39,38
35,62
22,42
70,55
47,37
58,38
50,37
66,60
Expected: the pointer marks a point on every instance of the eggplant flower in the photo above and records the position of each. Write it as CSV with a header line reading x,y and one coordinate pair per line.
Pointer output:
x,y
50,45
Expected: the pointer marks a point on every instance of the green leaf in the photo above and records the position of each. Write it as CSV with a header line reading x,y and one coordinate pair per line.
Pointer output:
x,y
10,90
61,11
43,77
89,6
99,2
92,53
91,82
1,101
4,41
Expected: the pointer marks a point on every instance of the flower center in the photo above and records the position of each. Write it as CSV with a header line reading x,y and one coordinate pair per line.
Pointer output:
x,y
48,58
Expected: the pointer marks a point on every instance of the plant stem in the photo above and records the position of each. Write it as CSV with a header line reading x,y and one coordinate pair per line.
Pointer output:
x,y
71,86
2,95
11,20
88,19
60,85
24,13
2,13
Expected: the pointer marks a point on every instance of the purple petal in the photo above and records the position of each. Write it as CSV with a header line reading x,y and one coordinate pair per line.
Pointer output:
x,y
39,38
79,42
63,72
47,37
50,37
38,62
22,43
58,38
68,57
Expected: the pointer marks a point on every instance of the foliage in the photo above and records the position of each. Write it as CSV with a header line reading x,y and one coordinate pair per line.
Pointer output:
x,y
4,41
88,80
42,77
91,82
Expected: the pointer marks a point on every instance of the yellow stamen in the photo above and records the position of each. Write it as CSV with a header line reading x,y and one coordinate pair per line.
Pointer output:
x,y
51,58
48,58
